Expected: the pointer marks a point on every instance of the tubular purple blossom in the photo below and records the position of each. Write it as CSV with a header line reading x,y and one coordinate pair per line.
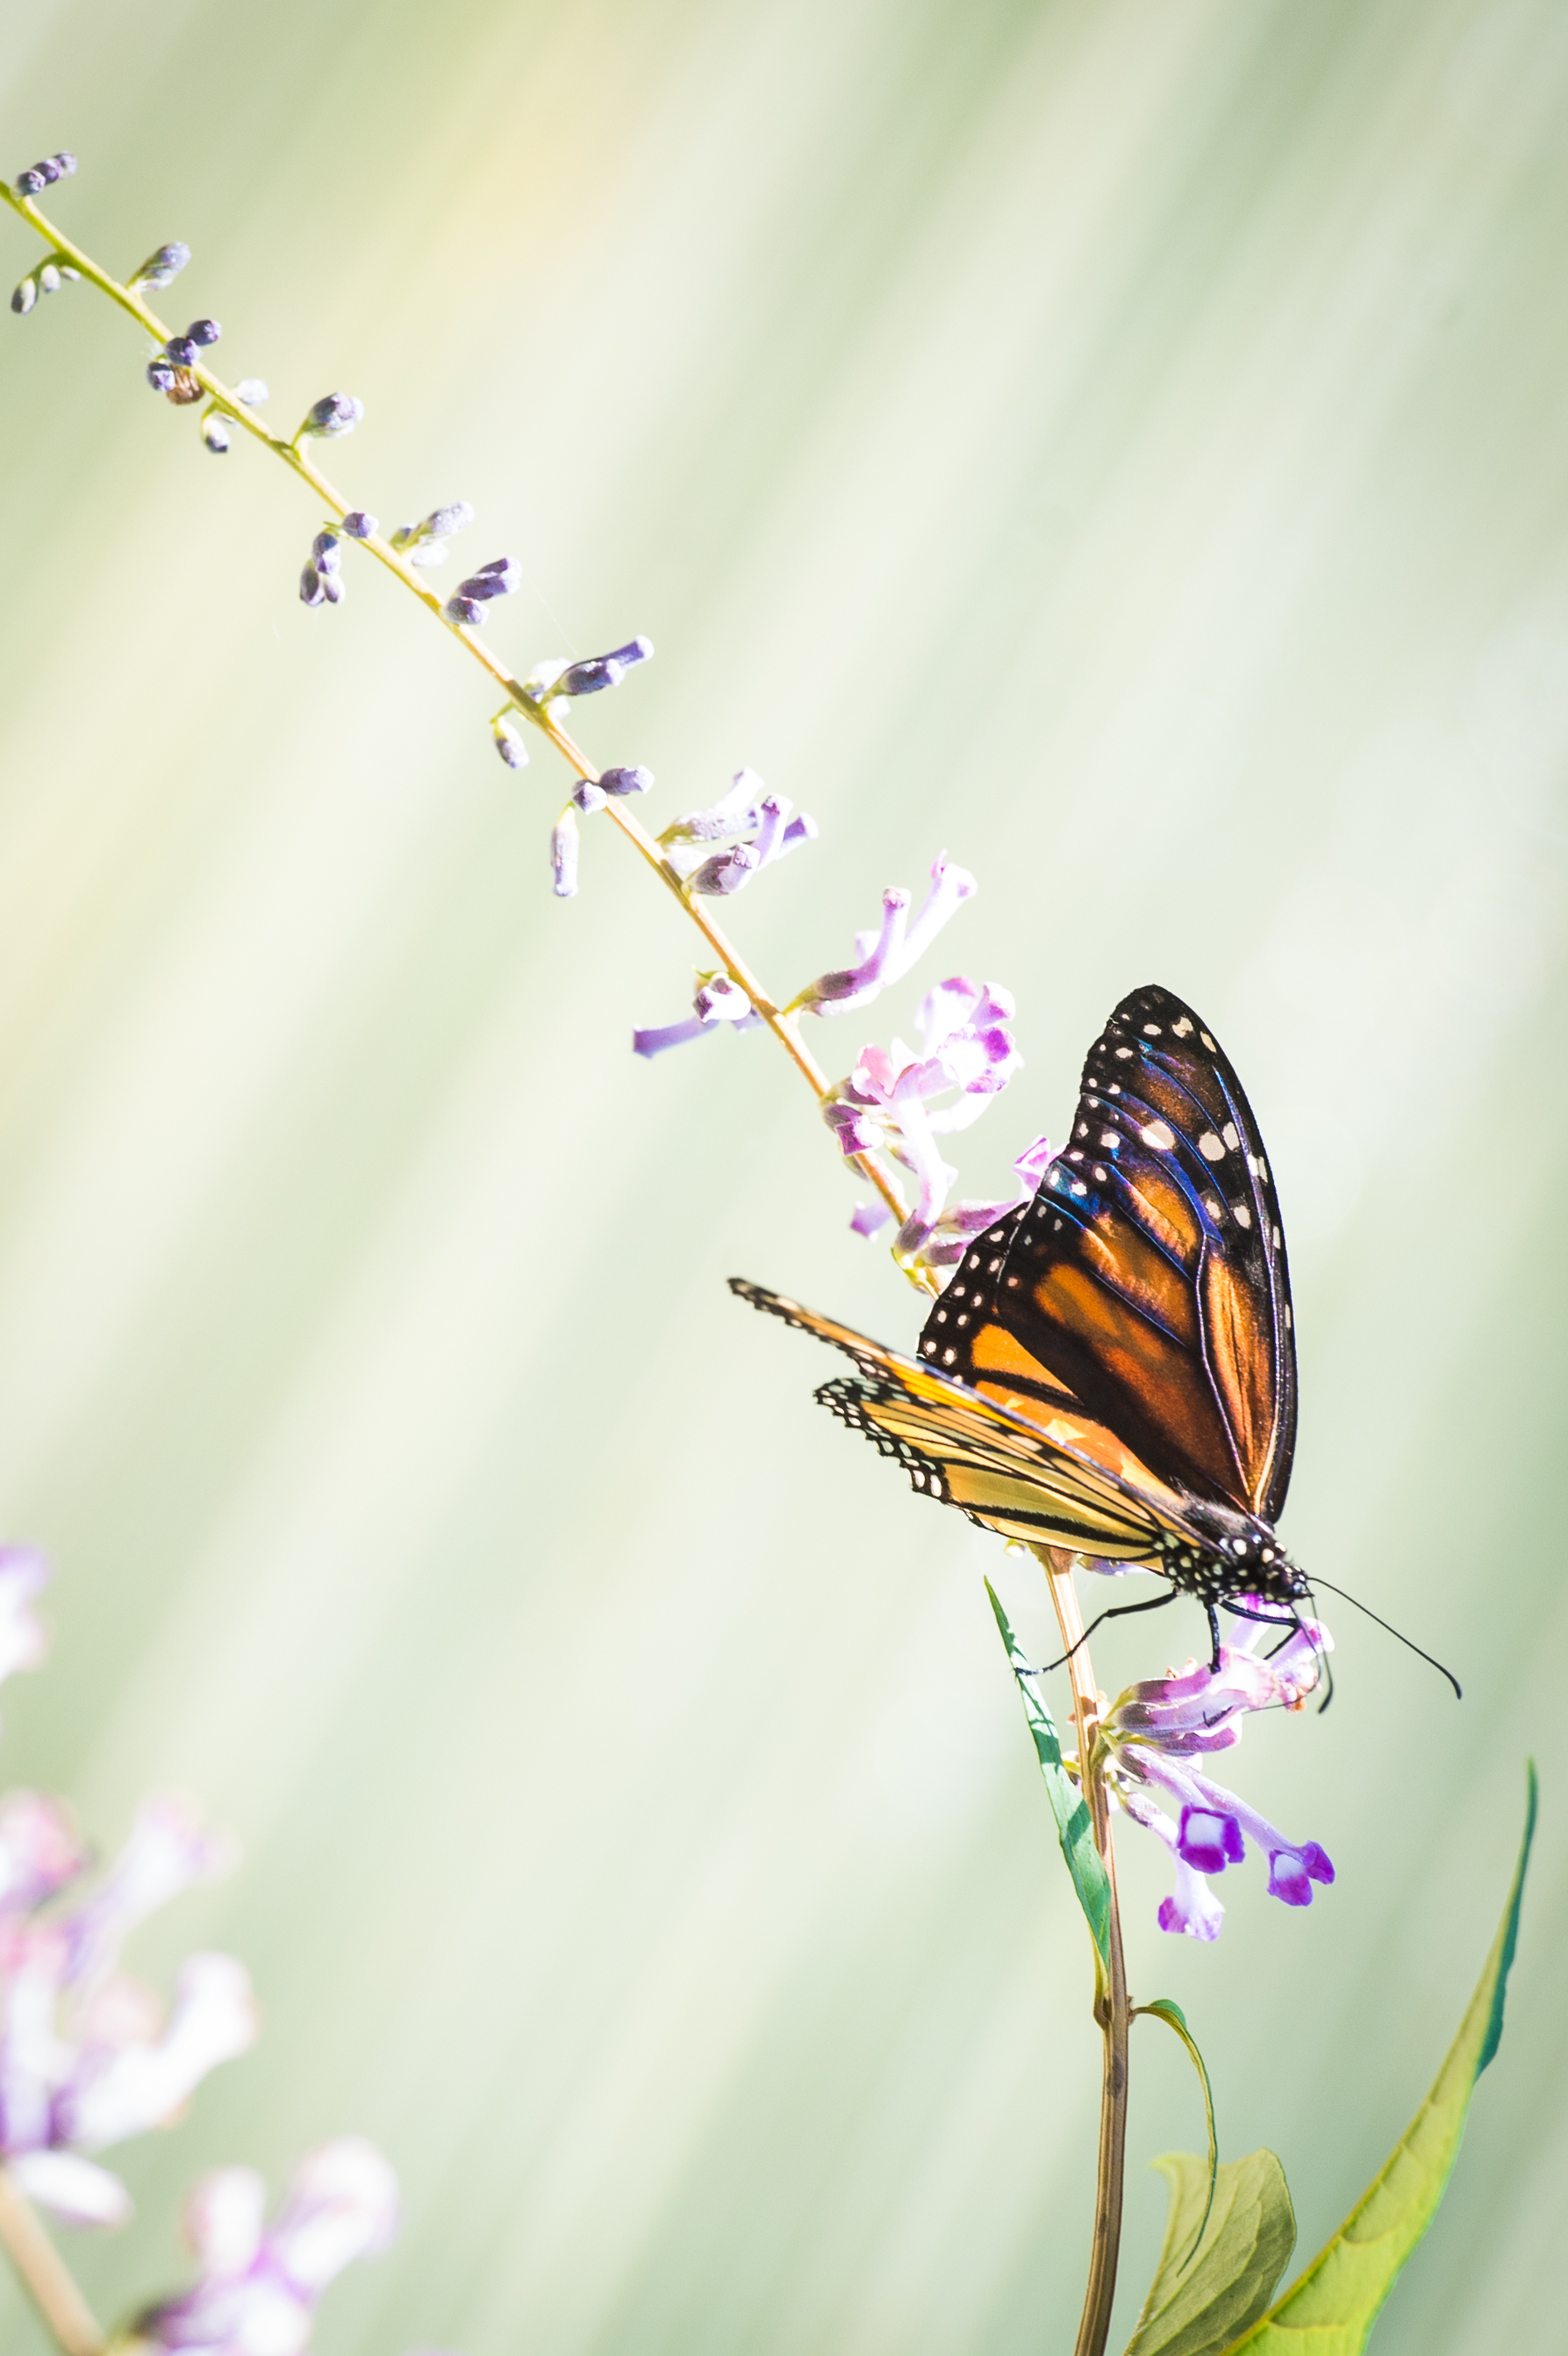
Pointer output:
x,y
952,1233
888,955
564,847
717,999
759,827
1159,1726
898,1102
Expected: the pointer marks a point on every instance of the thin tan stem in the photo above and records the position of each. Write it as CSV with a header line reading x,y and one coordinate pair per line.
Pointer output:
x,y
1112,2008
44,2276
783,1026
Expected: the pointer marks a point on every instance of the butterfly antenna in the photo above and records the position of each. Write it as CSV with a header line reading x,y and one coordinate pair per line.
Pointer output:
x,y
1408,1642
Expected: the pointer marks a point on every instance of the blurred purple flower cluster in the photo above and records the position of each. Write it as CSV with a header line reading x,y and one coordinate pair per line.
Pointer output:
x,y
257,2283
88,2057
1158,1727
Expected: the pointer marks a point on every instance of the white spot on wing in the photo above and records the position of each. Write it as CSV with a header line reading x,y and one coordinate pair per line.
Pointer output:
x,y
1159,1133
1244,1218
1182,1030
1210,1148
1229,1134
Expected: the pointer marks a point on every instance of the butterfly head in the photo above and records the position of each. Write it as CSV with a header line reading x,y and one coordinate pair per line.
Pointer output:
x,y
1224,1552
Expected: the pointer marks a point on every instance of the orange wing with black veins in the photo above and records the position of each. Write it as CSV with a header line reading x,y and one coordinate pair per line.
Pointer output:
x,y
1145,1286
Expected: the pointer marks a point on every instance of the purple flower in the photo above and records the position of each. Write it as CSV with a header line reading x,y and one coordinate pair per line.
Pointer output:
x,y
334,414
499,578
956,1229
717,999
425,543
564,846
22,1638
509,742
886,956
600,671
759,827
160,269
87,2057
1155,1731
621,781
259,2286
897,1101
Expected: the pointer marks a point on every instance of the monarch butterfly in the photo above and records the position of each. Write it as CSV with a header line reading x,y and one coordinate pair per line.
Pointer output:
x,y
1112,1369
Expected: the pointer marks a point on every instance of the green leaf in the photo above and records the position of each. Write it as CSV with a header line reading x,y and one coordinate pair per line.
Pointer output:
x,y
1075,1827
1200,2298
1166,2009
1331,2308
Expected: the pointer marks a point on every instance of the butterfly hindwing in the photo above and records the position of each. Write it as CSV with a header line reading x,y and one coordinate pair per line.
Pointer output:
x,y
1146,1284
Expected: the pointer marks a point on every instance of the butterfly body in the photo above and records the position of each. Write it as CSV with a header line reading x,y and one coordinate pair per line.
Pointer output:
x,y
1112,1369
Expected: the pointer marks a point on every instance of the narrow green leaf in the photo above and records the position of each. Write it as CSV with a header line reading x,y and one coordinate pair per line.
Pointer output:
x,y
1166,2009
1075,1827
1200,2298
1331,2308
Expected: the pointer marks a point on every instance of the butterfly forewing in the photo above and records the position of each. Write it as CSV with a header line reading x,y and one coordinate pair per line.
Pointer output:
x,y
1146,1285
1061,1481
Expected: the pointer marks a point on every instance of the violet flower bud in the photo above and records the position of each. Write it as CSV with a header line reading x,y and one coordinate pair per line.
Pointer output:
x,y
590,678
564,847
160,269
497,579
600,671
359,525
181,351
508,742
204,331
311,590
588,796
214,432
31,183
328,551
161,375
334,588
48,278
422,541
252,391
467,612
335,412
65,162
626,781
727,871
23,297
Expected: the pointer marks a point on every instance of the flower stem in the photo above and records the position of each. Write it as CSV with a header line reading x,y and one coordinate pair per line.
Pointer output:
x,y
45,2276
1111,2010
784,1027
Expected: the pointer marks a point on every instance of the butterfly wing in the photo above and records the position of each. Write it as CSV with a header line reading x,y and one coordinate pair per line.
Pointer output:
x,y
1063,1481
1145,1286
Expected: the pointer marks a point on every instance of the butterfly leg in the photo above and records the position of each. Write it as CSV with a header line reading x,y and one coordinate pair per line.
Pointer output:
x,y
1213,1639
1117,1612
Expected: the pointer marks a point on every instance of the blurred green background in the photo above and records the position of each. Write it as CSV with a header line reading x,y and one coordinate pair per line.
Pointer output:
x,y
1122,440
